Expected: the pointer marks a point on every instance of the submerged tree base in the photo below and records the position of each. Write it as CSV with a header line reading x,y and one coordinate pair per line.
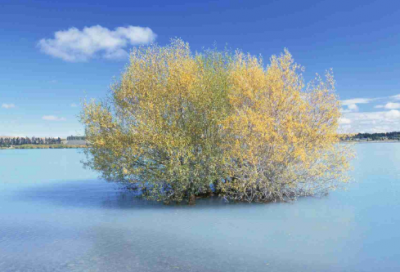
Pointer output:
x,y
217,194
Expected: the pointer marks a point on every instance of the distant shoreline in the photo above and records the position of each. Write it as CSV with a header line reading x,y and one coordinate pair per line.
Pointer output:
x,y
39,146
66,146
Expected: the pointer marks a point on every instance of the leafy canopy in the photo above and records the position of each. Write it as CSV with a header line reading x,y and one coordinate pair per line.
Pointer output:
x,y
179,125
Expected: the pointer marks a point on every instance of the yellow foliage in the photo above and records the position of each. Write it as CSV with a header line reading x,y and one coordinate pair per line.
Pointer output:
x,y
180,124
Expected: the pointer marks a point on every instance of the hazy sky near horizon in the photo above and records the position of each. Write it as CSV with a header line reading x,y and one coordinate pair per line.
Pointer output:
x,y
56,53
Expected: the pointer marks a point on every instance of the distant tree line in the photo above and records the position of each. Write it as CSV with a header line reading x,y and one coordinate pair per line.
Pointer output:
x,y
72,138
394,136
9,141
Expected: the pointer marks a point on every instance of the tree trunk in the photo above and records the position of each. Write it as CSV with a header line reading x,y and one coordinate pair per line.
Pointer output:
x,y
192,199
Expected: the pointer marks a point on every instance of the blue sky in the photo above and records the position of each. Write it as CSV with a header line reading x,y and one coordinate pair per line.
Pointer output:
x,y
55,53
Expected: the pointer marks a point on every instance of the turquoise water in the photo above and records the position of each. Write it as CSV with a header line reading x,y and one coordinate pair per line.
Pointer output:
x,y
57,216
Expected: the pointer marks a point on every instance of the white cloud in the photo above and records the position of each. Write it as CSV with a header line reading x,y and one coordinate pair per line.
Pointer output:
x,y
396,97
389,106
393,114
356,101
53,118
351,108
81,45
7,106
344,121
353,121
382,121
73,105
351,104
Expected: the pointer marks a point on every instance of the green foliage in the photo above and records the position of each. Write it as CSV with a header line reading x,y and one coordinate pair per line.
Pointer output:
x,y
384,136
16,141
74,138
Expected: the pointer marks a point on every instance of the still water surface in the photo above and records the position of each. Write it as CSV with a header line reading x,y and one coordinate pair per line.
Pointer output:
x,y
57,216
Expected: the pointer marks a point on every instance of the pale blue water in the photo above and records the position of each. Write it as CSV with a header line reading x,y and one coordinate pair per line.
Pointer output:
x,y
57,216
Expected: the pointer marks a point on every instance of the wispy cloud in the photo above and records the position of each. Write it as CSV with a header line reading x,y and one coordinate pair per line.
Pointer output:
x,y
81,45
7,106
350,108
344,121
357,101
53,118
396,97
389,106
381,121
73,105
353,121
351,104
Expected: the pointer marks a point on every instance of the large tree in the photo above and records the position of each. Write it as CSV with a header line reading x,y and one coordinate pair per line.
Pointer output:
x,y
179,125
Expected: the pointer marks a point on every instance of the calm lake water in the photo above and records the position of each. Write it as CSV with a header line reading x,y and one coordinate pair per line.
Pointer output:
x,y
57,216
